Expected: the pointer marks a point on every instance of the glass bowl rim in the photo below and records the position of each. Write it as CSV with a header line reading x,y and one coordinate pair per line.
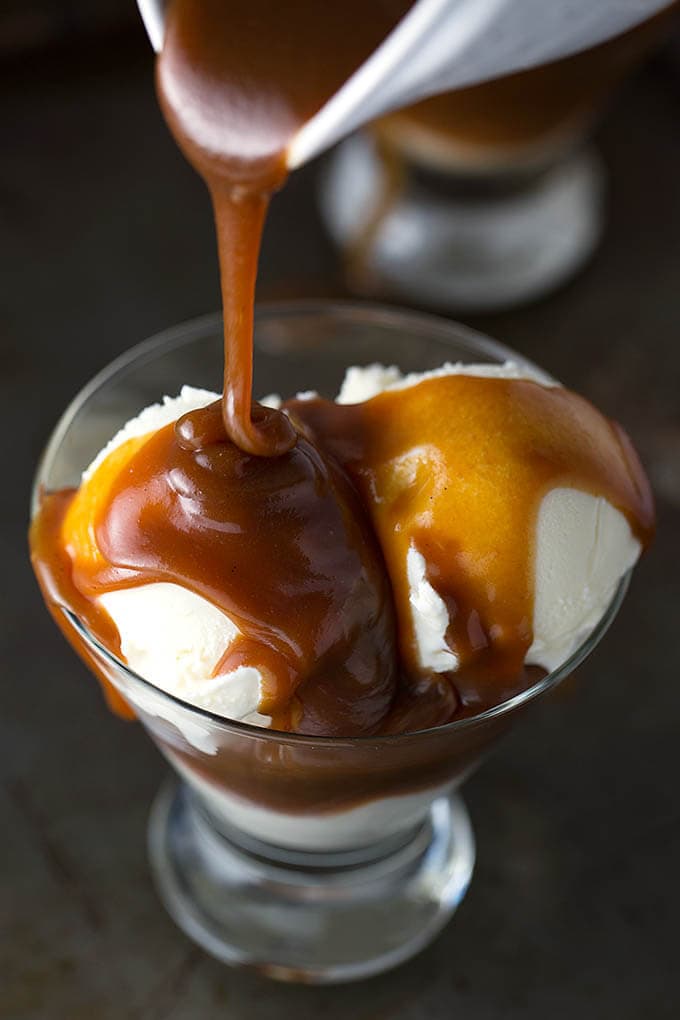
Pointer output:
x,y
352,311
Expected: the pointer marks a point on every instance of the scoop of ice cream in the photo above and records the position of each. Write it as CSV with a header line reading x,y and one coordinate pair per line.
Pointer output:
x,y
174,637
169,635
278,546
503,562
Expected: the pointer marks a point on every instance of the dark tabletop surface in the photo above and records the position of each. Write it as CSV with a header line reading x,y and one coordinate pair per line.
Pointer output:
x,y
105,237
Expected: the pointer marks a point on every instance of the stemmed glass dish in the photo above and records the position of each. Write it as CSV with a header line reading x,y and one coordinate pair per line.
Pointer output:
x,y
309,858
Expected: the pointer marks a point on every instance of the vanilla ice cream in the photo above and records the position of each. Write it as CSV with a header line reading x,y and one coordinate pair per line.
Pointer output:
x,y
174,637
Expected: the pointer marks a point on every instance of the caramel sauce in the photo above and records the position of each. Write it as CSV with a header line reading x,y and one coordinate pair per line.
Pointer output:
x,y
296,523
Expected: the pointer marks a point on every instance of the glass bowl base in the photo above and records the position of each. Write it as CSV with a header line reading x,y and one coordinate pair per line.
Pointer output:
x,y
312,918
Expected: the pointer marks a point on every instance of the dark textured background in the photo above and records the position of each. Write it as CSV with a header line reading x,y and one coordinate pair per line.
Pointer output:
x,y
105,237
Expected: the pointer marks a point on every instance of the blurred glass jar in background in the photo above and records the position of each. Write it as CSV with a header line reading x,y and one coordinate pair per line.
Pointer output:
x,y
486,197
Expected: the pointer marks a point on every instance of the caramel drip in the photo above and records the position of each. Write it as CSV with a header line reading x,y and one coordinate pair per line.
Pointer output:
x,y
456,467
236,81
54,571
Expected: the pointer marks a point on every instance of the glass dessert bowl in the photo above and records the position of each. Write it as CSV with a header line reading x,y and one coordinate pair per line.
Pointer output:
x,y
309,858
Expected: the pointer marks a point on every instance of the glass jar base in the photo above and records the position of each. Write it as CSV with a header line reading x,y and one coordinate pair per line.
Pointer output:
x,y
466,244
312,918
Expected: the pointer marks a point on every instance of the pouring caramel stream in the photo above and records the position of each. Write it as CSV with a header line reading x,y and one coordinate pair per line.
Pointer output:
x,y
236,81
